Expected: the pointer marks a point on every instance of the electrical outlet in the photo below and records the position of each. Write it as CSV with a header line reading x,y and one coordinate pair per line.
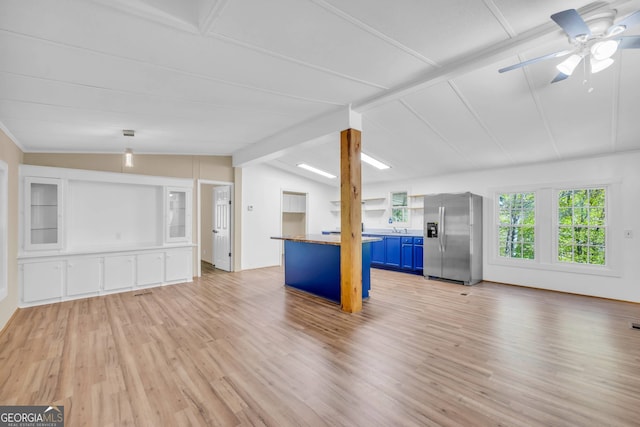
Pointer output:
x,y
628,234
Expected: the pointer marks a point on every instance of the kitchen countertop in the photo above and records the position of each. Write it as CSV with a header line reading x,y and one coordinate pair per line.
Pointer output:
x,y
322,239
410,233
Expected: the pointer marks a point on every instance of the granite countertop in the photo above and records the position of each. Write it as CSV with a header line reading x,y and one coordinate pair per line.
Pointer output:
x,y
323,239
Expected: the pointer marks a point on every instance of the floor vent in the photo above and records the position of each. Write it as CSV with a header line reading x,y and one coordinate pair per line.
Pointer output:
x,y
142,293
635,326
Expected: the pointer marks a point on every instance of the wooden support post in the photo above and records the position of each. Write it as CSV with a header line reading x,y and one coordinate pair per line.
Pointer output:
x,y
350,221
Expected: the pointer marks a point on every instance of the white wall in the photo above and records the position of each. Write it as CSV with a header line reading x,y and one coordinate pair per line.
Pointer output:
x,y
262,188
623,168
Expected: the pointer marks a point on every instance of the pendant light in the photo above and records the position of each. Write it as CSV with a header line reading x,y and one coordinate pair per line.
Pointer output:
x,y
128,152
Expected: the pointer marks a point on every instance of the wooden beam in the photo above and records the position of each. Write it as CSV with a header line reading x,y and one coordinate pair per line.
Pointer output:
x,y
350,221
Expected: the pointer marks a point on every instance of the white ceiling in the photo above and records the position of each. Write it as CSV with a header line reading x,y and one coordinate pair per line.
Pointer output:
x,y
221,77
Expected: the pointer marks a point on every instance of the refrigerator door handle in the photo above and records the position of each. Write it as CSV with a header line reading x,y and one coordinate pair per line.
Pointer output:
x,y
442,229
439,229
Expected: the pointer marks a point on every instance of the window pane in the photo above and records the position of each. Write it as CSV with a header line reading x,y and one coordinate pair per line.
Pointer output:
x,y
581,198
581,254
565,199
581,216
596,216
528,234
399,199
582,226
528,251
565,235
596,236
505,216
580,235
596,197
596,255
516,230
565,253
565,216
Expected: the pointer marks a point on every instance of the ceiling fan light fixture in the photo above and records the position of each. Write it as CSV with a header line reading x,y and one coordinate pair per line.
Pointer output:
x,y
615,30
568,65
604,49
599,65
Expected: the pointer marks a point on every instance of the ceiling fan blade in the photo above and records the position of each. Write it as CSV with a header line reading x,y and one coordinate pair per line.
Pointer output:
x,y
572,23
534,60
630,21
629,42
560,77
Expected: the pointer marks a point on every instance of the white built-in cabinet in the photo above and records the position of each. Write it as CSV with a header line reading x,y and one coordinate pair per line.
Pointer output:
x,y
150,269
44,280
43,213
294,203
87,233
119,272
84,275
178,215
178,264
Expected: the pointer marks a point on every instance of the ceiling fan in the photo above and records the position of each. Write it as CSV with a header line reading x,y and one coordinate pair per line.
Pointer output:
x,y
597,39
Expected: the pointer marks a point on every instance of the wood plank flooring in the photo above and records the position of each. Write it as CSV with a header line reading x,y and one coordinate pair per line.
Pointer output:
x,y
239,349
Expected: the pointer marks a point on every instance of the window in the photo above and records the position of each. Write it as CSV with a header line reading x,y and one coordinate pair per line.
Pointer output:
x,y
582,226
400,207
516,225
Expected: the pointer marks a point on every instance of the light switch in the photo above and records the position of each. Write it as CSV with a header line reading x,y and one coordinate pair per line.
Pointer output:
x,y
250,208
628,234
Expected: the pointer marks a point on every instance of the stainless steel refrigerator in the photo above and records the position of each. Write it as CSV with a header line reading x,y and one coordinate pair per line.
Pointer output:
x,y
453,237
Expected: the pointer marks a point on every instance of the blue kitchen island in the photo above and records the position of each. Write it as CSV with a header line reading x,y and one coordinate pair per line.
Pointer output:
x,y
312,264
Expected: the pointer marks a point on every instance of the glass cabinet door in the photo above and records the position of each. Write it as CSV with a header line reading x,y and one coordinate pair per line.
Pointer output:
x,y
178,215
43,213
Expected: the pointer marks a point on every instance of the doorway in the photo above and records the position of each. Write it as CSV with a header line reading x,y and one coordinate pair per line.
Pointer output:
x,y
215,225
294,214
222,227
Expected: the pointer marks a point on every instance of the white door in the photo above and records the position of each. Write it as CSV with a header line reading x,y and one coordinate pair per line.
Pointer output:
x,y
222,227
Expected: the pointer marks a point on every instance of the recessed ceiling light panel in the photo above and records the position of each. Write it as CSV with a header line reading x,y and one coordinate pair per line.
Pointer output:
x,y
316,170
373,162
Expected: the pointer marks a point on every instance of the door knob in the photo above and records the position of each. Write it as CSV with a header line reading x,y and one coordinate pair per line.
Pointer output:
x,y
215,231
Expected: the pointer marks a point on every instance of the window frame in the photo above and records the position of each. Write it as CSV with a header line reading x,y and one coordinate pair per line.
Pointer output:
x,y
405,207
546,237
498,224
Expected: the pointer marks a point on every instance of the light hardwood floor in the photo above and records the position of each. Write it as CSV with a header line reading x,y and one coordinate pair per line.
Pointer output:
x,y
240,349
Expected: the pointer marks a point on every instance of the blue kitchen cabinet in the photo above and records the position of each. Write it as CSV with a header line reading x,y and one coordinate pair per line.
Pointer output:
x,y
418,254
407,253
377,252
392,253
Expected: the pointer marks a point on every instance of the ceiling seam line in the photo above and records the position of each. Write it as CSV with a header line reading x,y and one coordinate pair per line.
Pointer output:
x,y
140,94
172,69
207,24
545,121
69,107
150,14
497,13
287,58
479,120
372,31
406,105
615,107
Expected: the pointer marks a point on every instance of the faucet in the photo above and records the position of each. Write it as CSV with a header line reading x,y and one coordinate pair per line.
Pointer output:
x,y
406,231
395,230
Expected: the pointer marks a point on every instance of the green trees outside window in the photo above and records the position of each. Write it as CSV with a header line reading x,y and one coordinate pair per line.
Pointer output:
x,y
582,226
516,225
400,207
